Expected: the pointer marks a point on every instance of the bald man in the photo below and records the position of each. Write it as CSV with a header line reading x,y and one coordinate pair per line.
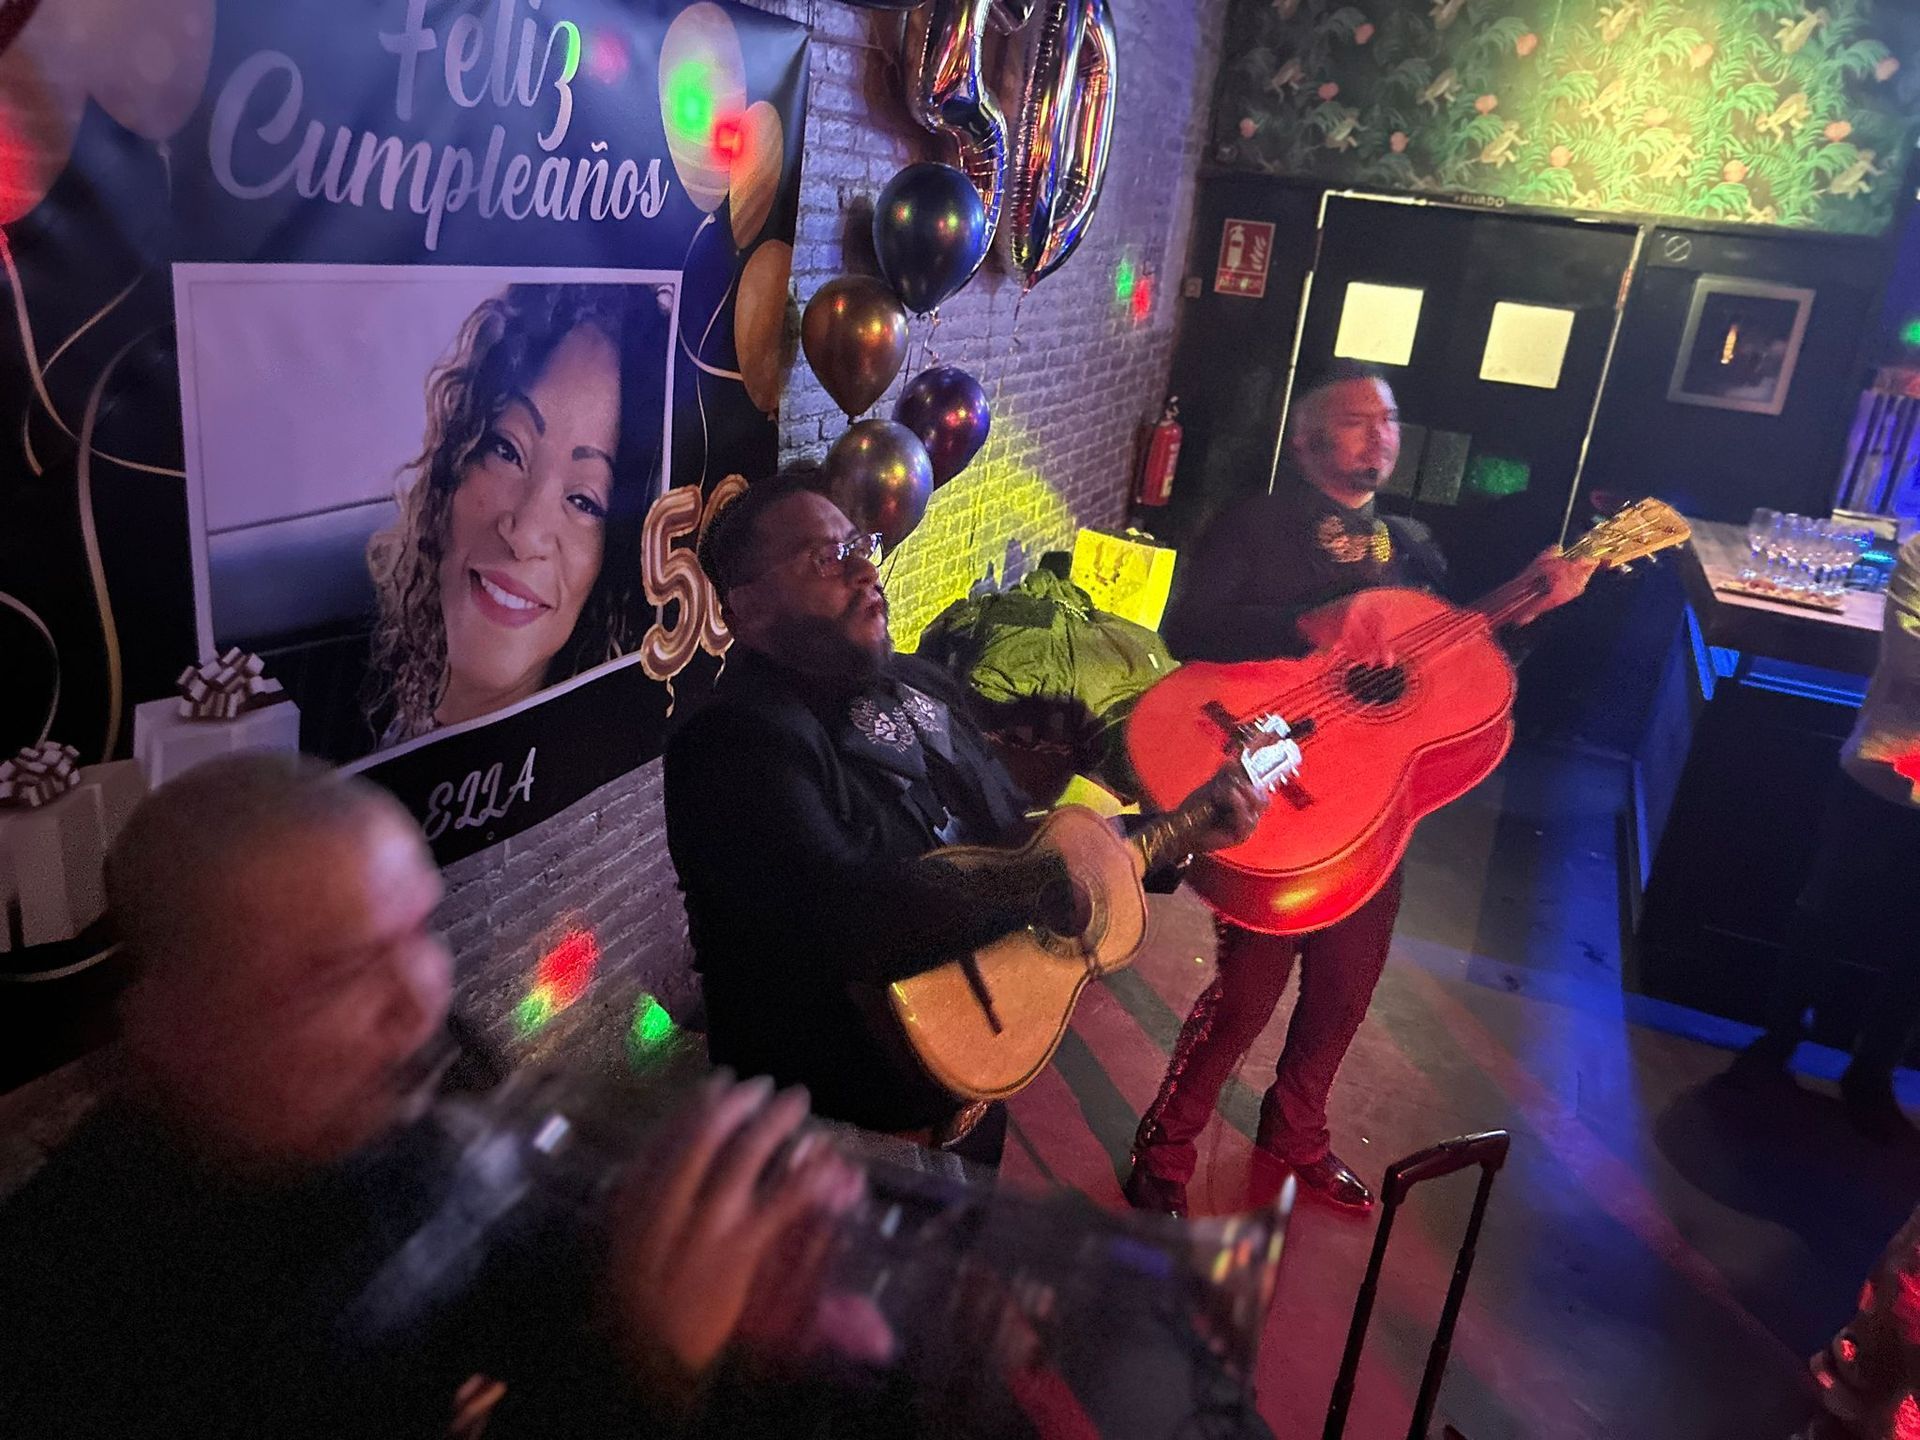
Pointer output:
x,y
189,1263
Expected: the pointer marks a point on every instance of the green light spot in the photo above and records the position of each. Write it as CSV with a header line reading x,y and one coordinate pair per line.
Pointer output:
x,y
651,1023
690,99
1497,477
572,65
1910,333
534,1013
1125,277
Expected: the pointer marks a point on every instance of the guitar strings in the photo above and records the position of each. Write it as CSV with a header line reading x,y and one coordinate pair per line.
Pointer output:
x,y
1436,633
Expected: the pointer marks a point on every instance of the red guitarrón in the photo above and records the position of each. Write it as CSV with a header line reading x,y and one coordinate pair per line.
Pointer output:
x,y
1381,747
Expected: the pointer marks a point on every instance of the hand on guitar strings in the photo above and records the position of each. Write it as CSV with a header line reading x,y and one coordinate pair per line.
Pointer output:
x,y
1358,630
720,1188
1237,807
1551,581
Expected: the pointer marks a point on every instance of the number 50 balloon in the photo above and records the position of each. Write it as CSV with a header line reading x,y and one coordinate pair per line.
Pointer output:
x,y
1065,136
1066,118
947,89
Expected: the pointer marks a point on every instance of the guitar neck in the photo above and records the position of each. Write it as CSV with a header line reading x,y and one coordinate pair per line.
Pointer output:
x,y
1169,838
1500,604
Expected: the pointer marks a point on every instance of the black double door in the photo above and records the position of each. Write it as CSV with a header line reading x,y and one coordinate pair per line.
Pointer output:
x,y
1490,464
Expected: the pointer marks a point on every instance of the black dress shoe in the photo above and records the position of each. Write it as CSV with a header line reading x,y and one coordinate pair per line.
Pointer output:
x,y
1871,1108
1765,1061
1147,1191
1329,1179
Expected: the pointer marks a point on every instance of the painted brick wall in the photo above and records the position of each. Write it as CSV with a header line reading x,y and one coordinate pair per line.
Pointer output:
x,y
1072,372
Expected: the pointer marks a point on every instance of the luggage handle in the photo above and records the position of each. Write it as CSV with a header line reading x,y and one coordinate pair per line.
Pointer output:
x,y
1488,1151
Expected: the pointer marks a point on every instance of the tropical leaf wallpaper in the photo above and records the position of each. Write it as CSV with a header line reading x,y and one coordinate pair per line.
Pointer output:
x,y
1775,112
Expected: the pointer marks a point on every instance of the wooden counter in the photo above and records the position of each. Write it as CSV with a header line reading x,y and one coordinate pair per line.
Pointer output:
x,y
1847,641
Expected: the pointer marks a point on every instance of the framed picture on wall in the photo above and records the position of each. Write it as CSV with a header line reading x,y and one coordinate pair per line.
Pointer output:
x,y
1740,345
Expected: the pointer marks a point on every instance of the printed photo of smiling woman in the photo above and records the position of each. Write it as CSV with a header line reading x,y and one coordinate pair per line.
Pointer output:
x,y
512,564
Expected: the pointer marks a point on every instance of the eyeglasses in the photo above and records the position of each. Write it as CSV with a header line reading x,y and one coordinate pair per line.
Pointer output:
x,y
830,560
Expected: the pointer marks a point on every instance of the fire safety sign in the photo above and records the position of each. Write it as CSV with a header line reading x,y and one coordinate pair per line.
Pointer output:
x,y
1246,249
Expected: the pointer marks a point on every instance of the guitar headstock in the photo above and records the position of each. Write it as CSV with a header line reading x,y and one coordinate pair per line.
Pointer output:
x,y
1644,528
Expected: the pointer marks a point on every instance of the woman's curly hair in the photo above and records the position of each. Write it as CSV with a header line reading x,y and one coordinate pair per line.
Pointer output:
x,y
501,351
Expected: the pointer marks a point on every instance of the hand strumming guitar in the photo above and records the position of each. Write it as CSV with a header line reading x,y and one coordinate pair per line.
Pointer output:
x,y
1553,579
1358,630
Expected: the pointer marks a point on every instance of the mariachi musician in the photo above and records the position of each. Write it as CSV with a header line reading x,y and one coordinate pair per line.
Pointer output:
x,y
1256,572
801,804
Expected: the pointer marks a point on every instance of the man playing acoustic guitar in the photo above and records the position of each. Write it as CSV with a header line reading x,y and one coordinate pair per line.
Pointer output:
x,y
800,806
1256,572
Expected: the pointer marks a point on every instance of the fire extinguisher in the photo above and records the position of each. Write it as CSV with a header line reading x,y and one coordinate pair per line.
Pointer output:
x,y
1162,457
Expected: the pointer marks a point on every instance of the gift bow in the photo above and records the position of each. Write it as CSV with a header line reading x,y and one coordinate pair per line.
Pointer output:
x,y
39,774
225,686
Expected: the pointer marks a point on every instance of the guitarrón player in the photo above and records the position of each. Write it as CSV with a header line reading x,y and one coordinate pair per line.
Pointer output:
x,y
800,805
1260,566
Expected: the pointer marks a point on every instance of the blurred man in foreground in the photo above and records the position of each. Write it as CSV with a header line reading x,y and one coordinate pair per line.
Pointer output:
x,y
195,1260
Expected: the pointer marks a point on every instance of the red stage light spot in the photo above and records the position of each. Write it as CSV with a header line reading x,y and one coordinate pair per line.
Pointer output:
x,y
729,137
565,969
607,58
1143,299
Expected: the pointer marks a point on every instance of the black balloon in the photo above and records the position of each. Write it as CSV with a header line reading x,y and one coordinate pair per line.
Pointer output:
x,y
929,233
879,476
947,409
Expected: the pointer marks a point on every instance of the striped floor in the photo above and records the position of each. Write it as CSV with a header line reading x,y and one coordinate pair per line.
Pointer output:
x,y
1663,1249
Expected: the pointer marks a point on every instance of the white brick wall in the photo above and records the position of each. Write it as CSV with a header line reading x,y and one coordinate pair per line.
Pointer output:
x,y
1072,375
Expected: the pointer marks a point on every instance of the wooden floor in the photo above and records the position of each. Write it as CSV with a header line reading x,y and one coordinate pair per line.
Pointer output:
x,y
1664,1249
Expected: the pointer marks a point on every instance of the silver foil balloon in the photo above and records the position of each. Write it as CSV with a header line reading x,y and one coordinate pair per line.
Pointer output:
x,y
1064,138
947,91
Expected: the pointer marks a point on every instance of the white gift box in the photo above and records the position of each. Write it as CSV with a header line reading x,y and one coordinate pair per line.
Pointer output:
x,y
122,787
51,858
168,744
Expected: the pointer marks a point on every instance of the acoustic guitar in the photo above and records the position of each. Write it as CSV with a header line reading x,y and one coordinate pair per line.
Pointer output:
x,y
1386,745
985,1025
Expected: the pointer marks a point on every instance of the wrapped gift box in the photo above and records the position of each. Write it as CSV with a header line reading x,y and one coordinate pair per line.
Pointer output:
x,y
167,743
51,857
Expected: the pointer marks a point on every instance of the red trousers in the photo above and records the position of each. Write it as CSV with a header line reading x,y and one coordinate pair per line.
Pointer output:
x,y
1339,968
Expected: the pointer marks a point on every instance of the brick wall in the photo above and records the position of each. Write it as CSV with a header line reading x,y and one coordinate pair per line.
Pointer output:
x,y
1072,372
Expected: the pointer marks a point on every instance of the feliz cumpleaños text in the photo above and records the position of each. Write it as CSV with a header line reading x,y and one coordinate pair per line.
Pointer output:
x,y
499,57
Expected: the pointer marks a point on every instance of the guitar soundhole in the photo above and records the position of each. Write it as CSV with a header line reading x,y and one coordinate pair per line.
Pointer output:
x,y
1376,686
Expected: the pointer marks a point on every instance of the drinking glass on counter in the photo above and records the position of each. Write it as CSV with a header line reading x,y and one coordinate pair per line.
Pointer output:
x,y
1806,556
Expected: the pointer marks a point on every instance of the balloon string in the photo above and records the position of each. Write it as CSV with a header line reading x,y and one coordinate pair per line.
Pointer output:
x,y
699,396
92,320
26,419
38,372
1013,348
89,536
53,649
26,331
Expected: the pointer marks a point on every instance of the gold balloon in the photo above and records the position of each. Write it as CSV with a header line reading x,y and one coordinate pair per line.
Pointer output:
x,y
855,336
146,60
760,324
42,96
756,171
703,80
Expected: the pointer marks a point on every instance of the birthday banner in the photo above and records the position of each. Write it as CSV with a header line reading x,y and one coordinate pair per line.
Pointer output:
x,y
371,370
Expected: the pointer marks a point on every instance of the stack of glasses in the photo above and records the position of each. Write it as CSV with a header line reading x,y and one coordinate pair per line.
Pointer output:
x,y
1804,558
